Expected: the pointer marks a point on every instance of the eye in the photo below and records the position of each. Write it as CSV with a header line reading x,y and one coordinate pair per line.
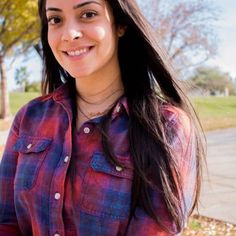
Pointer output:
x,y
89,14
54,20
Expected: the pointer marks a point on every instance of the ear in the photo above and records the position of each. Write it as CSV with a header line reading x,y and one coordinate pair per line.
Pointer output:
x,y
121,29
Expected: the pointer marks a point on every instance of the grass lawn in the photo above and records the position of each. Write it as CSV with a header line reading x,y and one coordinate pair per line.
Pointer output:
x,y
216,112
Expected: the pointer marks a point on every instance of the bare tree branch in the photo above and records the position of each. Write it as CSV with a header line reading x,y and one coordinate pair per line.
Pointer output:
x,y
185,27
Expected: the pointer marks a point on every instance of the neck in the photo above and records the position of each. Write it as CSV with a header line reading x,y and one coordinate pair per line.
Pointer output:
x,y
98,92
96,88
96,95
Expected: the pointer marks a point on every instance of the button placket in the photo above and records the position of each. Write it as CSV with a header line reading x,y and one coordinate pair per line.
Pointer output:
x,y
57,187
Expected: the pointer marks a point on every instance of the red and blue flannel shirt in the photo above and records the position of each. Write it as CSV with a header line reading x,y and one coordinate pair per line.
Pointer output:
x,y
56,181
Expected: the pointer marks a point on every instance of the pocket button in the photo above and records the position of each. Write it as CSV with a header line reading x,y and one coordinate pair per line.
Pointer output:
x,y
29,146
66,159
119,168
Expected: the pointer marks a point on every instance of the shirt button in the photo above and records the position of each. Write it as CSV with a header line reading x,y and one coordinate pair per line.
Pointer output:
x,y
57,196
66,159
119,168
29,146
86,130
118,109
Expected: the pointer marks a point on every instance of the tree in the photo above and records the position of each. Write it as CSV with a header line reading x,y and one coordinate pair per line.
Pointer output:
x,y
186,29
212,79
18,31
21,77
34,86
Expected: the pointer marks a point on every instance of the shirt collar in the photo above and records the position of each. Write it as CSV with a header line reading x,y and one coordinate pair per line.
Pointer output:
x,y
63,92
122,105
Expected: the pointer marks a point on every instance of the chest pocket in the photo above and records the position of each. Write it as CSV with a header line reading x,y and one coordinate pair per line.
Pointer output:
x,y
106,190
32,151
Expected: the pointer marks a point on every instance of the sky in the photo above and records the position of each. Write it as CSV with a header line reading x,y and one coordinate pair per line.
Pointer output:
x,y
226,28
225,59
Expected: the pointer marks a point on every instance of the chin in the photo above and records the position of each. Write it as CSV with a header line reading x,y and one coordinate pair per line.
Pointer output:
x,y
80,74
77,76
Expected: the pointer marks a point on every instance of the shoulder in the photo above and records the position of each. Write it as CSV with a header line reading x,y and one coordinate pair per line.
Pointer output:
x,y
34,110
35,103
175,117
178,126
41,103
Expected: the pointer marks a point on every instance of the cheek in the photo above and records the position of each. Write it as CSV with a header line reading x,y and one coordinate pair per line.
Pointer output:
x,y
52,40
100,33
106,38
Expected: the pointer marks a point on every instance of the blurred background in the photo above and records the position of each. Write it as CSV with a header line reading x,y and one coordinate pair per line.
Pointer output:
x,y
198,37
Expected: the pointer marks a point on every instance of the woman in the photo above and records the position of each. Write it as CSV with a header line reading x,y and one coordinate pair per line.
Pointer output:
x,y
111,148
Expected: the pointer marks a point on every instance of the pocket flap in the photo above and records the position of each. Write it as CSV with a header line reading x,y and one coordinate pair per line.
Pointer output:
x,y
28,144
100,164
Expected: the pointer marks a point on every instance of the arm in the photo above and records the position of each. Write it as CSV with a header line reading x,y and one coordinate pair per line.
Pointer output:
x,y
8,219
182,146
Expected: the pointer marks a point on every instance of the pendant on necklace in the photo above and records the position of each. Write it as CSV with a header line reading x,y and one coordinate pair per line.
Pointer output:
x,y
95,114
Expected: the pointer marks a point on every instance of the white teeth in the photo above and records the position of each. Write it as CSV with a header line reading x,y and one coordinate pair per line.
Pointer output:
x,y
77,52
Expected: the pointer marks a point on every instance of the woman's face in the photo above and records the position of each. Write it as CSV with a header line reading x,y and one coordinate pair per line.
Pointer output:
x,y
82,35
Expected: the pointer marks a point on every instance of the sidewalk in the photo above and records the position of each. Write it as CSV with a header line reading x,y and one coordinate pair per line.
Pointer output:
x,y
3,137
218,197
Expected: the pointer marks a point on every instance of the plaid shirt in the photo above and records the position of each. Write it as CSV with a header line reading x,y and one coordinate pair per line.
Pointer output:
x,y
56,181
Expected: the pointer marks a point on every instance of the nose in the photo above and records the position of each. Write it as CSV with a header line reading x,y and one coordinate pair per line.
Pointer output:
x,y
71,34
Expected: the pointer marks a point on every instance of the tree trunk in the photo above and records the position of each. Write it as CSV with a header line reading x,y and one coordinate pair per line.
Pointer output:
x,y
5,108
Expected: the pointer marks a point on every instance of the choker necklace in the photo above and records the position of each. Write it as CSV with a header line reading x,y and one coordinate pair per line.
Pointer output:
x,y
91,115
98,102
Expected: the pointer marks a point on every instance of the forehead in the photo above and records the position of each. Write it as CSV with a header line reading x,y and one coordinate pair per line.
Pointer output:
x,y
72,3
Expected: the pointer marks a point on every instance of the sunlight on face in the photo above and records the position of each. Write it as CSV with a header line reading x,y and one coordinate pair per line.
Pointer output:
x,y
82,35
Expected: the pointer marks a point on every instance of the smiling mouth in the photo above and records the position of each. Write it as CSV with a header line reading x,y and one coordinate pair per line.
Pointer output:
x,y
76,53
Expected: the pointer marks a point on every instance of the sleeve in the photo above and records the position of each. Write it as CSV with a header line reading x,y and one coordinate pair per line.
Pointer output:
x,y
8,220
182,146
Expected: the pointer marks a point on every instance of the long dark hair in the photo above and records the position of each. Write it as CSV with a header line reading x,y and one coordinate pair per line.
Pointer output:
x,y
145,80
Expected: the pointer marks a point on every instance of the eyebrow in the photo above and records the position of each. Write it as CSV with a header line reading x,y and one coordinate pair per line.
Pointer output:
x,y
75,7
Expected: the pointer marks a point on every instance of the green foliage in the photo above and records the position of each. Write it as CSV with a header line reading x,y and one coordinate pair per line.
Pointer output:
x,y
21,76
213,80
194,225
33,87
18,24
19,30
